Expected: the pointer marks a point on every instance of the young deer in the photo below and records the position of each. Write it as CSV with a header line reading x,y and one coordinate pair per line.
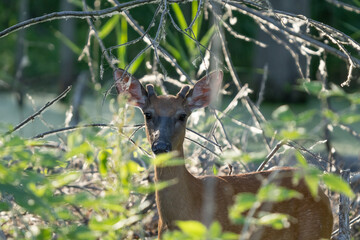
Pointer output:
x,y
189,198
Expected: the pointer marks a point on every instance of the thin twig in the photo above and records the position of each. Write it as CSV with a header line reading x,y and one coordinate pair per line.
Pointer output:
x,y
32,117
206,148
72,128
102,46
203,137
260,16
270,155
148,40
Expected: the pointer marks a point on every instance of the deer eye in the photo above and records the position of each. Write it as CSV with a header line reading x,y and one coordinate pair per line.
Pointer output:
x,y
182,117
148,116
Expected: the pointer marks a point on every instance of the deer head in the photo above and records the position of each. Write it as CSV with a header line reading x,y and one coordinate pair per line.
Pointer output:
x,y
166,116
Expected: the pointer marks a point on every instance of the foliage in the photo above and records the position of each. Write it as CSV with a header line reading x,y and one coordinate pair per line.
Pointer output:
x,y
90,185
86,192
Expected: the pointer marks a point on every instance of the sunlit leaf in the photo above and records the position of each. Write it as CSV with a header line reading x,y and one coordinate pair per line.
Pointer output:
x,y
214,230
274,220
122,38
207,36
215,170
192,228
243,202
197,23
103,159
64,178
109,26
183,25
337,184
136,64
312,180
274,193
83,149
292,134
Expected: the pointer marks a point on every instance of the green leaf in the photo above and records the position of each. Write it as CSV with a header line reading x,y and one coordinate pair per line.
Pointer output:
x,y
14,141
283,113
337,184
349,118
4,206
312,180
122,38
215,170
103,159
273,193
70,44
192,228
292,134
167,159
301,159
214,230
313,87
275,220
109,26
243,202
197,23
80,233
64,178
354,98
84,149
28,200
179,15
183,25
306,116
332,116
208,35
136,64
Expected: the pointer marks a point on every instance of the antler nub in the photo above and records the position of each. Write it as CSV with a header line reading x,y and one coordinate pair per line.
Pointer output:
x,y
150,90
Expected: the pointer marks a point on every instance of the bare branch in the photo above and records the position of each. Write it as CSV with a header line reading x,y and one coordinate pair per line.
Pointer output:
x,y
201,145
148,40
33,116
108,12
277,26
72,128
345,6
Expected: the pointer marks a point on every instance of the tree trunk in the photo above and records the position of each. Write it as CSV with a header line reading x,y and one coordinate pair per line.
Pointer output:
x,y
67,57
20,53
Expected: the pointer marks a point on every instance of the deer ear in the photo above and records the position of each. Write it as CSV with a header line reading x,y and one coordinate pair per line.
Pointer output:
x,y
204,90
127,84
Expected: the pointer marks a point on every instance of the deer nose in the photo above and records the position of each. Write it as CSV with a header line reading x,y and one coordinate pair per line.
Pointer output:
x,y
161,147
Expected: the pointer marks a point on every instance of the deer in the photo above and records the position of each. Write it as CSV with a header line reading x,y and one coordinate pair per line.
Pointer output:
x,y
165,119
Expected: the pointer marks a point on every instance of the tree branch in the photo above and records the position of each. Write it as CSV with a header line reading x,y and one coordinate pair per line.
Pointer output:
x,y
32,117
75,14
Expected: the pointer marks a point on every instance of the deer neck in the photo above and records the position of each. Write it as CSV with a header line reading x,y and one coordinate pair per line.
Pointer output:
x,y
178,172
183,192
